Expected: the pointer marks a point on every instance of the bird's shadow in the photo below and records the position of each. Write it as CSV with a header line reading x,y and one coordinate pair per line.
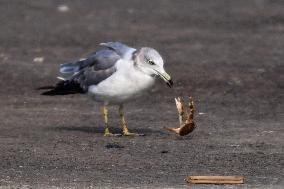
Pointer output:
x,y
100,129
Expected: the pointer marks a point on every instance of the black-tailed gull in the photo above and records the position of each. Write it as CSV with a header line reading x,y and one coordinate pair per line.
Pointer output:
x,y
113,76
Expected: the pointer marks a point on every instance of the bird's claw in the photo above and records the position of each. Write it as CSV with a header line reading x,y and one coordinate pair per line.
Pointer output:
x,y
126,132
186,125
112,135
109,134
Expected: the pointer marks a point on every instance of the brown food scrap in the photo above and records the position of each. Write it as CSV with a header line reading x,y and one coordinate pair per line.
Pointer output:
x,y
186,125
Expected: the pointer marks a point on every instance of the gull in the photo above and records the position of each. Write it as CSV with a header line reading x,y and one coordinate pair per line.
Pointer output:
x,y
113,75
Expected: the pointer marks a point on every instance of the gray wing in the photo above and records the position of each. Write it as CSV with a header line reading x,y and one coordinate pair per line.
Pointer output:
x,y
120,48
102,59
99,67
93,77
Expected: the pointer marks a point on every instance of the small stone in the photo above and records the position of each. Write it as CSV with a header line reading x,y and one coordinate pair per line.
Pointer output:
x,y
39,59
63,8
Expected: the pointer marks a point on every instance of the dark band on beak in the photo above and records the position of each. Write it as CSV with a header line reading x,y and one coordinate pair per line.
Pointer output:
x,y
170,83
166,77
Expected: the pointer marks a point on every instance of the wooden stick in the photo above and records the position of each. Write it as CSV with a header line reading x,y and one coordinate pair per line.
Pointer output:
x,y
215,179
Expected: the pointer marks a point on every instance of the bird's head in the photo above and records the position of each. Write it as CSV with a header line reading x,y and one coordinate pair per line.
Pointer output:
x,y
150,62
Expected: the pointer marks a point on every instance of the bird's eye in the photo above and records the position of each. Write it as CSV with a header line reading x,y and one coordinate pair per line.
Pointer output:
x,y
151,62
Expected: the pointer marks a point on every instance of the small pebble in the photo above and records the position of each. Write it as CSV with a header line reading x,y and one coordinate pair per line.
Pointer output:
x,y
39,59
63,8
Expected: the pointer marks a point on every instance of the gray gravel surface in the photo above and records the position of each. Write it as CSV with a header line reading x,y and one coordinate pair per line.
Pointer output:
x,y
227,54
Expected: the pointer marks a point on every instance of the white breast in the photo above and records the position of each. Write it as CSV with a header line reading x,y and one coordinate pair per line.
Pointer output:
x,y
126,83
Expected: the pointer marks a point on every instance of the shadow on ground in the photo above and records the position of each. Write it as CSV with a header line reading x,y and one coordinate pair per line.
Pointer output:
x,y
100,130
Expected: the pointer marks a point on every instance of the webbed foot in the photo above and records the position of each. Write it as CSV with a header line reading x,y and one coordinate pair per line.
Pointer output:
x,y
132,134
109,134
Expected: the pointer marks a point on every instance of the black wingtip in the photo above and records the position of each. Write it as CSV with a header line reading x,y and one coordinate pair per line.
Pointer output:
x,y
62,88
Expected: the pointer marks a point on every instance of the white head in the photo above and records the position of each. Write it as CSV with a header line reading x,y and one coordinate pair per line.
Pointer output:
x,y
150,62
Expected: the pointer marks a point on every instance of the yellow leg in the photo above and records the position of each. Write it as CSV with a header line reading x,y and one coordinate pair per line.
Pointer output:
x,y
124,124
122,119
104,111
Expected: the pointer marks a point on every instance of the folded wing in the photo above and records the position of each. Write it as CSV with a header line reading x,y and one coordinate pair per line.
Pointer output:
x,y
97,67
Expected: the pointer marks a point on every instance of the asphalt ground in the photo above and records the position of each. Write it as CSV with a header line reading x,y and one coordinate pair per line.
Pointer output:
x,y
227,54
